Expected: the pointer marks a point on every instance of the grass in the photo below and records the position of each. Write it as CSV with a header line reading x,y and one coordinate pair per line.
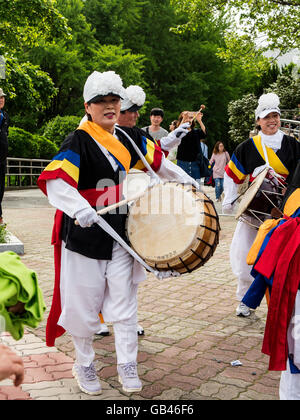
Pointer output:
x,y
3,234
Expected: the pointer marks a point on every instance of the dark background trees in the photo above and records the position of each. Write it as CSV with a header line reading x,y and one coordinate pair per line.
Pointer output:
x,y
181,54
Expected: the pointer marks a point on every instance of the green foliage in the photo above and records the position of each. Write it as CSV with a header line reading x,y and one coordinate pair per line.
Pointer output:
x,y
22,144
59,127
29,91
111,19
287,88
24,23
3,233
46,148
241,118
241,111
183,53
273,23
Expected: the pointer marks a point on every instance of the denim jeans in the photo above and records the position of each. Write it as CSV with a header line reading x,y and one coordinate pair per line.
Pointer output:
x,y
191,168
219,187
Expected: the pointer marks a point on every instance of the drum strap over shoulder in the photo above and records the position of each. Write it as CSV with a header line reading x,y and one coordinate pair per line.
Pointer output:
x,y
270,157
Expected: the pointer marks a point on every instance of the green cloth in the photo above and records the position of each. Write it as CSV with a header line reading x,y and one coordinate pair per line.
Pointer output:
x,y
19,284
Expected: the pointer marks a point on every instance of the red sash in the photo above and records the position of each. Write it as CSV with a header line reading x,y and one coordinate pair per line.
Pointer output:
x,y
281,257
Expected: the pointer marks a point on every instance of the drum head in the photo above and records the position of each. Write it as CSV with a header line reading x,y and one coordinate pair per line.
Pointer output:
x,y
250,193
173,226
162,224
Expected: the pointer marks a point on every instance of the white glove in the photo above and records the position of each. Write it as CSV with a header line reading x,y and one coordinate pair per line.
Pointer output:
x,y
154,180
166,274
174,138
86,217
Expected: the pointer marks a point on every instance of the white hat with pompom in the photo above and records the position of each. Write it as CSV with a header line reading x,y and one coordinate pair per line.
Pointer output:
x,y
102,84
133,99
267,103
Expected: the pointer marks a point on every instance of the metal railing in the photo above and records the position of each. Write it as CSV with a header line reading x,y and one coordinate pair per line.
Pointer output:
x,y
23,173
291,127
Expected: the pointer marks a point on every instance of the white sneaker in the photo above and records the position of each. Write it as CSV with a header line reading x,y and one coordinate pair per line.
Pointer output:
x,y
128,377
243,310
104,331
140,330
87,379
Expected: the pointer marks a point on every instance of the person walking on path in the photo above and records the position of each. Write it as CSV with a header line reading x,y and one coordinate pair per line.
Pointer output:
x,y
4,125
220,157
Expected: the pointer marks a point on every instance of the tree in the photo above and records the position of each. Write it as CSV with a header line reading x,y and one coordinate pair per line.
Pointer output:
x,y
275,23
30,92
111,19
24,23
241,111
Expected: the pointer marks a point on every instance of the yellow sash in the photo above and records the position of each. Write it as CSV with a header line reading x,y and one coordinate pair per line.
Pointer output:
x,y
107,140
274,160
293,203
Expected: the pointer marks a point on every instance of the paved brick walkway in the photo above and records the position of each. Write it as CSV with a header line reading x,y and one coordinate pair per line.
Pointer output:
x,y
191,331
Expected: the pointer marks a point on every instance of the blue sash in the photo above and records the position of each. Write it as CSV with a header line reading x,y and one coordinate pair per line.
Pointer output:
x,y
1,117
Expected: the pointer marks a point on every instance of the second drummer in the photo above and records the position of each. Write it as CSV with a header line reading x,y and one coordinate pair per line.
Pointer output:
x,y
283,153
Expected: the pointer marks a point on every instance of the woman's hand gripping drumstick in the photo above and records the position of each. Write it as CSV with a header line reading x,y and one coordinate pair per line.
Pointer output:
x,y
117,205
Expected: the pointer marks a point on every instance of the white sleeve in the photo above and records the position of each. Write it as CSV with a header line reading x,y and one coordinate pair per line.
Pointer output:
x,y
230,190
65,197
168,171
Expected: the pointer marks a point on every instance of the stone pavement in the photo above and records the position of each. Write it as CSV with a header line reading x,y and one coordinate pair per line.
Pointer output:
x,y
191,331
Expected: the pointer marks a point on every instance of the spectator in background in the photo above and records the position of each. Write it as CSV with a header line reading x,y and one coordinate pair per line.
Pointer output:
x,y
155,130
204,148
190,145
220,158
4,124
173,152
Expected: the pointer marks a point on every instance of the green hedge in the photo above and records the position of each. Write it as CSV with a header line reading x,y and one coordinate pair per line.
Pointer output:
x,y
22,144
59,127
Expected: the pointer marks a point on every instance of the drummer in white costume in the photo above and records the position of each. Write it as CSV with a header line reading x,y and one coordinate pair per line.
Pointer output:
x,y
250,158
93,272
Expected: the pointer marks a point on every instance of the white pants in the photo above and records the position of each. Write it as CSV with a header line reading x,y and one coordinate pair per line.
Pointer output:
x,y
289,388
242,241
89,286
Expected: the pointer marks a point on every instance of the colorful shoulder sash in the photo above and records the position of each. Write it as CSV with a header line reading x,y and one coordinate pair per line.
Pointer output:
x,y
111,143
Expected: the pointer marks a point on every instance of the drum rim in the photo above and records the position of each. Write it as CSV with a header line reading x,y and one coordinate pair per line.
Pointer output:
x,y
253,188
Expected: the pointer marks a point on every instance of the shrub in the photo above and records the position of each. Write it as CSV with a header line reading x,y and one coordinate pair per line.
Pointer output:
x,y
47,149
242,118
22,144
3,234
59,127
